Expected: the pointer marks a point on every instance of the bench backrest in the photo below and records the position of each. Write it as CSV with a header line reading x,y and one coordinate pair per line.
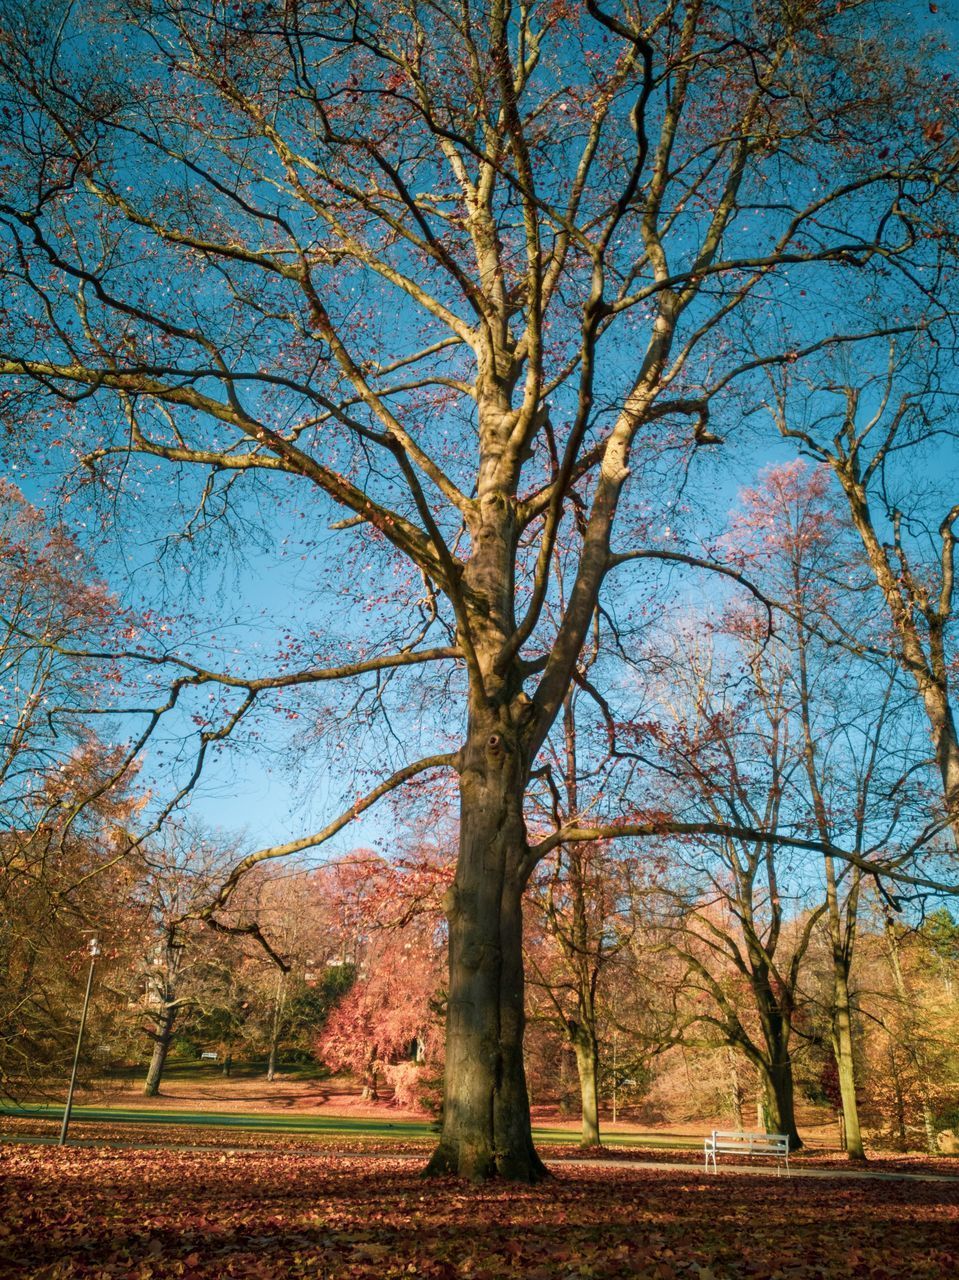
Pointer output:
x,y
739,1140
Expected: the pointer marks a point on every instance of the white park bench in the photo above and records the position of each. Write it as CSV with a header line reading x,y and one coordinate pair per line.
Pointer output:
x,y
747,1144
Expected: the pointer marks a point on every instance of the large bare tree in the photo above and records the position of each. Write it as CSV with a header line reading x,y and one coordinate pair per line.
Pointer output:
x,y
453,268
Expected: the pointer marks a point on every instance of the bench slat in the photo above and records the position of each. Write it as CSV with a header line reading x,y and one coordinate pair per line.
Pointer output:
x,y
744,1142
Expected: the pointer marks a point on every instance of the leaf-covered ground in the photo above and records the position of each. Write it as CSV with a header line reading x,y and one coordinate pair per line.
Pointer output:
x,y
143,1214
207,1136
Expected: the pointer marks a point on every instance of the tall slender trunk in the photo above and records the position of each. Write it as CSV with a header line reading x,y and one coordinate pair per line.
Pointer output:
x,y
842,1028
842,1044
587,1065
486,1121
162,1037
563,1079
841,934
583,953
615,1075
900,1097
735,1090
279,999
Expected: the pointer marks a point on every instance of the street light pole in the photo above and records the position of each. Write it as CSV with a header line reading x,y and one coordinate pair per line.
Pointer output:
x,y
94,949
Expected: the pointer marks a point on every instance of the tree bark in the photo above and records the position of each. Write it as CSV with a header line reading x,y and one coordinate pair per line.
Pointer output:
x,y
161,1047
486,1122
927,662
899,1095
845,1067
778,1097
775,1066
563,1102
841,940
279,1001
370,1092
587,1066
735,1090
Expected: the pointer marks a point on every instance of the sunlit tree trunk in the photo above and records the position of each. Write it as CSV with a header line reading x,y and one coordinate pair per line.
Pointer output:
x,y
162,1038
279,1000
735,1090
486,1121
842,1043
842,931
587,1066
579,942
563,1103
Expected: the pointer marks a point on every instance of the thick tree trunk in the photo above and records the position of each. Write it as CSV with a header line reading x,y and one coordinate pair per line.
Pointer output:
x,y
775,1067
587,1065
161,1047
486,1122
780,1111
370,1091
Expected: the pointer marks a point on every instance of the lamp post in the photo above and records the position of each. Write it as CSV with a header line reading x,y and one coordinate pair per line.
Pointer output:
x,y
94,950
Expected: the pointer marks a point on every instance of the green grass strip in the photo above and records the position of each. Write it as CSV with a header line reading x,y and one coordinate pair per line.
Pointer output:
x,y
340,1126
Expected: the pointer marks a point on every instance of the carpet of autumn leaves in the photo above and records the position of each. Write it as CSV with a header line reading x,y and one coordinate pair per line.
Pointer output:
x,y
143,1214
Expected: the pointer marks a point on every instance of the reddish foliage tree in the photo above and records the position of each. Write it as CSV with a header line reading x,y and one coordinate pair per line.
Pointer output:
x,y
392,915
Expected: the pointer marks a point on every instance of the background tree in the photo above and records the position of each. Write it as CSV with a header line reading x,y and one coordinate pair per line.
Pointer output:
x,y
390,1014
66,803
291,1000
773,733
856,752
740,928
876,435
184,970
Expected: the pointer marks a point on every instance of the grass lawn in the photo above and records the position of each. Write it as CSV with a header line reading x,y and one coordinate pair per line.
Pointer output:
x,y
254,1122
145,1214
48,1115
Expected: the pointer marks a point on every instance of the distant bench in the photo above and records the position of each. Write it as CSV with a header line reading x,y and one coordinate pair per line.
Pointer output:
x,y
747,1144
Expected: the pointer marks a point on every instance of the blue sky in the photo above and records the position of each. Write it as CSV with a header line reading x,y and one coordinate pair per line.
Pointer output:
x,y
293,584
